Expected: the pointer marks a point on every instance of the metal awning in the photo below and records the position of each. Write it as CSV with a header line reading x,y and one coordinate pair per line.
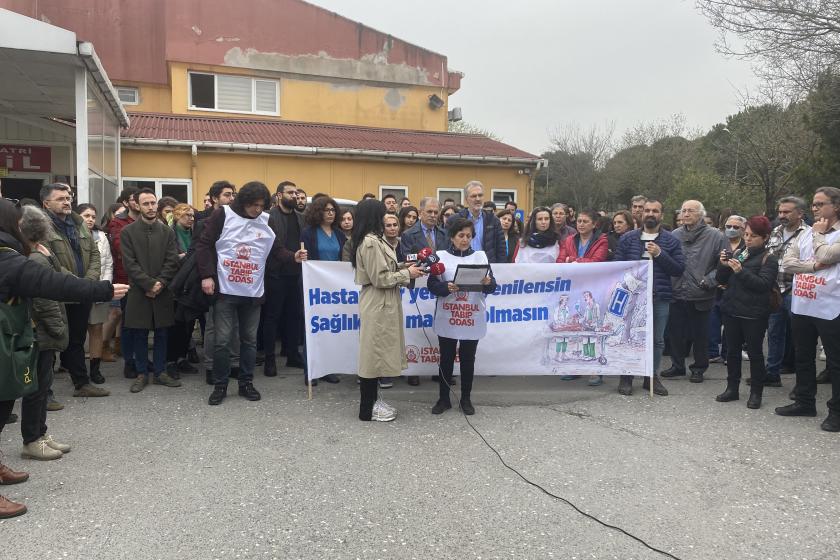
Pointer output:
x,y
38,65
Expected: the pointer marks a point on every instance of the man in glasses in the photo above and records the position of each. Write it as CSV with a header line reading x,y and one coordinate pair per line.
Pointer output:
x,y
693,292
72,244
815,307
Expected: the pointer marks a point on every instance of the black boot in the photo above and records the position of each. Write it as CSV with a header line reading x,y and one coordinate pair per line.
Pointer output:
x,y
218,395
466,406
625,385
270,366
95,375
754,401
796,409
832,422
731,392
368,389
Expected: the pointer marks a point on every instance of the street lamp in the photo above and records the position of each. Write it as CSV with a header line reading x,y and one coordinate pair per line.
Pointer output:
x,y
737,154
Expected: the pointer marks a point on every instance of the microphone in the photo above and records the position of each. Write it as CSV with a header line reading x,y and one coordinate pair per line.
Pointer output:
x,y
437,268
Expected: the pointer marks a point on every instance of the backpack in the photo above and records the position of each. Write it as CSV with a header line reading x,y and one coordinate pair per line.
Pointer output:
x,y
18,349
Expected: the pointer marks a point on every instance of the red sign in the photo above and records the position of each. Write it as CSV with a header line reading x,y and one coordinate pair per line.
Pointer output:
x,y
36,159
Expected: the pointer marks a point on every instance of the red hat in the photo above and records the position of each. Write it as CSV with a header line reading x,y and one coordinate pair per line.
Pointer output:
x,y
760,226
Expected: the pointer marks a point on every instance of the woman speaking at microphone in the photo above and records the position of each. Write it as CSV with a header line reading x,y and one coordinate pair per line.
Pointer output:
x,y
460,317
381,340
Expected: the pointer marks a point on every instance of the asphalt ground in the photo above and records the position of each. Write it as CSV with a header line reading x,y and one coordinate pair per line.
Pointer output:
x,y
161,474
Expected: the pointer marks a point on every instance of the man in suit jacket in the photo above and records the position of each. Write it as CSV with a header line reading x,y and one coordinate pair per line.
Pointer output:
x,y
488,230
426,232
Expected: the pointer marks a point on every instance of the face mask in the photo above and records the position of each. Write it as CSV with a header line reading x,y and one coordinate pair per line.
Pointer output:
x,y
732,233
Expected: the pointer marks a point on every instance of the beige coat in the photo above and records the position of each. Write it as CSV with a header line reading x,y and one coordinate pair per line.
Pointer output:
x,y
382,341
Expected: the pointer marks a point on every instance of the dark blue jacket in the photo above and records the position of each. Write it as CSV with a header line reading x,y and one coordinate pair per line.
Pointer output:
x,y
493,240
669,263
309,237
412,239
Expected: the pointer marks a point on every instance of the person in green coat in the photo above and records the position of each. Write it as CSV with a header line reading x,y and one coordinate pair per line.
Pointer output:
x,y
150,259
74,248
51,333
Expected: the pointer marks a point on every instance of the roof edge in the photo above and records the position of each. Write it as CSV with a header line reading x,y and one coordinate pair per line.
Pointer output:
x,y
315,151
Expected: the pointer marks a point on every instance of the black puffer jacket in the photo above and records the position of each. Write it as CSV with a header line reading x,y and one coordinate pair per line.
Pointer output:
x,y
747,293
22,277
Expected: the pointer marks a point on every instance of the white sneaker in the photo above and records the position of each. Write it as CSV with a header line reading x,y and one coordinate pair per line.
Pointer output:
x,y
383,412
39,450
386,383
63,447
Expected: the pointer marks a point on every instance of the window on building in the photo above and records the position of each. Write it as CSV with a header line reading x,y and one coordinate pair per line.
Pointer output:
x,y
128,95
179,189
455,194
236,94
396,190
501,196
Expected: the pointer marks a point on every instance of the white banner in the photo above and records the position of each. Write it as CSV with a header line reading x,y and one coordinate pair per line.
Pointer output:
x,y
543,319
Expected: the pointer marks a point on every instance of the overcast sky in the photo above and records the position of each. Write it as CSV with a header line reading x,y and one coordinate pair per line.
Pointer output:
x,y
531,65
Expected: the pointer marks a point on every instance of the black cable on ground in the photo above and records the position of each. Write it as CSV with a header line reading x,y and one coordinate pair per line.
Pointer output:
x,y
534,484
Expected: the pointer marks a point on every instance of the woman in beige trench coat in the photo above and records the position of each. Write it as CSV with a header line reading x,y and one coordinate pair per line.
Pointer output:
x,y
381,341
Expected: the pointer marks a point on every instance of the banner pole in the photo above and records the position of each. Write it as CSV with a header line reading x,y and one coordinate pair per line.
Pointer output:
x,y
306,373
651,385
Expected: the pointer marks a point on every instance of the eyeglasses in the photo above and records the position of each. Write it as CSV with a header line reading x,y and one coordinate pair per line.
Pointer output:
x,y
818,205
688,210
14,201
733,227
68,198
329,210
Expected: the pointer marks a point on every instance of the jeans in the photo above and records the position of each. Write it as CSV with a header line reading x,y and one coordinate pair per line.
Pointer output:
x,y
779,337
806,330
750,331
661,310
141,350
715,338
689,326
228,312
73,357
283,307
126,338
210,341
466,359
33,407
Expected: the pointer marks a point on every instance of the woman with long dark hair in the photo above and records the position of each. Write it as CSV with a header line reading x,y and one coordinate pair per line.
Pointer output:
x,y
99,312
408,217
539,240
20,280
381,339
510,229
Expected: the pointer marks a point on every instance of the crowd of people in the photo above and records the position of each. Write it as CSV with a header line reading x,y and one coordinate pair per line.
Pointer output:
x,y
150,267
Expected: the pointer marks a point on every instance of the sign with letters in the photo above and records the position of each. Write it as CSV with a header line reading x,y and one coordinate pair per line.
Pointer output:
x,y
543,319
34,159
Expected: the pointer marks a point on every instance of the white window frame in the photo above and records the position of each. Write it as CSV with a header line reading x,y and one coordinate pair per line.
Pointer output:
x,y
459,190
192,107
160,182
127,88
508,191
403,188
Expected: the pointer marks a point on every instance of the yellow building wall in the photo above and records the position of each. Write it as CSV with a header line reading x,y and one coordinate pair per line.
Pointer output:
x,y
321,101
153,99
337,177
